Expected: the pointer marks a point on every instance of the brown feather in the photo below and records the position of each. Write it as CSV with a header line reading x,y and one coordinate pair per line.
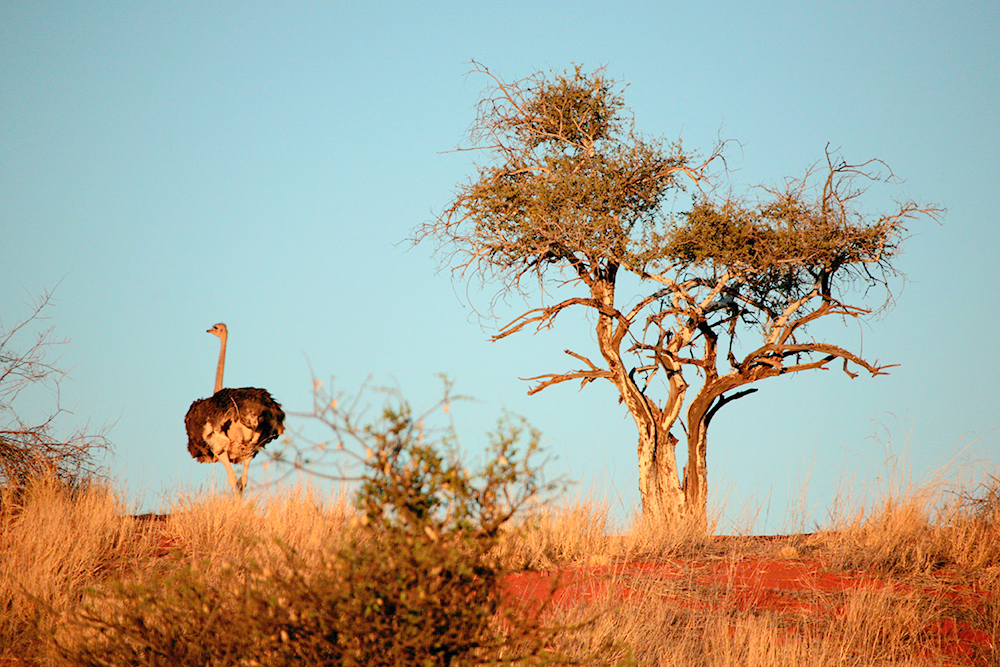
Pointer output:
x,y
242,421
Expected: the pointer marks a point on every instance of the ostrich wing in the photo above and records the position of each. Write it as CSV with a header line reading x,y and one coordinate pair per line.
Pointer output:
x,y
239,421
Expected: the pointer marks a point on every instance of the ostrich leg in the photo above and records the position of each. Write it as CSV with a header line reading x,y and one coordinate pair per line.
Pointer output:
x,y
231,474
243,478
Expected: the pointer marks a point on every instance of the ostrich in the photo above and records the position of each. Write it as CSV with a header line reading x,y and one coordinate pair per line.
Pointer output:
x,y
234,424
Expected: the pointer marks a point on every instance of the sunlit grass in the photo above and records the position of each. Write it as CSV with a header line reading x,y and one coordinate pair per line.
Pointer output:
x,y
927,557
919,572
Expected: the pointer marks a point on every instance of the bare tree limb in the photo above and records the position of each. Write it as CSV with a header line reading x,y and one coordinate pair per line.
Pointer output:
x,y
30,448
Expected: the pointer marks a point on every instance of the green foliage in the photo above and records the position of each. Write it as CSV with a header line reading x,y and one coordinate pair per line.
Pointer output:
x,y
414,487
780,250
416,584
752,240
571,183
574,110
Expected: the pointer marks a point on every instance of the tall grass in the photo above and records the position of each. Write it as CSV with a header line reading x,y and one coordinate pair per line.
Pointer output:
x,y
219,531
579,532
921,566
56,540
918,585
913,529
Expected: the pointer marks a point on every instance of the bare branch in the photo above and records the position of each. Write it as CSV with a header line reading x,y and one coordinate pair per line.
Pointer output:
x,y
555,378
723,400
27,449
543,319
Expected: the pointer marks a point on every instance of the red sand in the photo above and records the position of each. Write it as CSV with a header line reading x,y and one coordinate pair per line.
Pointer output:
x,y
792,587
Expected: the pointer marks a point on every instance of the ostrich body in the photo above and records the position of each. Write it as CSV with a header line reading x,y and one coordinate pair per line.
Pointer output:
x,y
234,424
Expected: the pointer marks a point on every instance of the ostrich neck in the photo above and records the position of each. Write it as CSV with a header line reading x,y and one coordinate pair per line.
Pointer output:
x,y
222,365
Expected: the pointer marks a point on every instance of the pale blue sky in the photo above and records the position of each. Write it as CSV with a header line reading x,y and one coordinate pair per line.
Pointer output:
x,y
261,164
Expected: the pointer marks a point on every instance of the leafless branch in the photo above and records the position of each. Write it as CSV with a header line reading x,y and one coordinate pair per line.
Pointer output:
x,y
27,449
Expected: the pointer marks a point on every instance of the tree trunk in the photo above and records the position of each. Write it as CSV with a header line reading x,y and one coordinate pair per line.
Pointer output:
x,y
660,489
699,416
659,484
696,472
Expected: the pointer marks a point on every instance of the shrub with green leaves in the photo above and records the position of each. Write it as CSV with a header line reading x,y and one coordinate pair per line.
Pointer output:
x,y
417,583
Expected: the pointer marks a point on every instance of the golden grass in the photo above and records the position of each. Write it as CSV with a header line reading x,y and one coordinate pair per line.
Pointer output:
x,y
221,531
580,533
922,559
56,543
871,628
918,585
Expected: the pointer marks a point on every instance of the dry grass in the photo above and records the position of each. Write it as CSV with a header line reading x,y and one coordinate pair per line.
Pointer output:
x,y
918,574
911,581
581,533
57,543
680,621
219,531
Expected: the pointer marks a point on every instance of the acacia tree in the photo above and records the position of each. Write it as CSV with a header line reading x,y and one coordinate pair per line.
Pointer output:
x,y
572,195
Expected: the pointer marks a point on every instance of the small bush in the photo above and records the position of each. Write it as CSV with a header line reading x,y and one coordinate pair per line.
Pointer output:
x,y
30,446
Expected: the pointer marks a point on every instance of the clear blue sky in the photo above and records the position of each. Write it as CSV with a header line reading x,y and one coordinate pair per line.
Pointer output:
x,y
173,165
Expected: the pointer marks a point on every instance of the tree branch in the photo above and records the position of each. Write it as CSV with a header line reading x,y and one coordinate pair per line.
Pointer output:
x,y
722,400
544,319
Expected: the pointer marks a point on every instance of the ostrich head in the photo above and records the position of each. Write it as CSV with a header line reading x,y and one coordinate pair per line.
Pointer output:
x,y
218,330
